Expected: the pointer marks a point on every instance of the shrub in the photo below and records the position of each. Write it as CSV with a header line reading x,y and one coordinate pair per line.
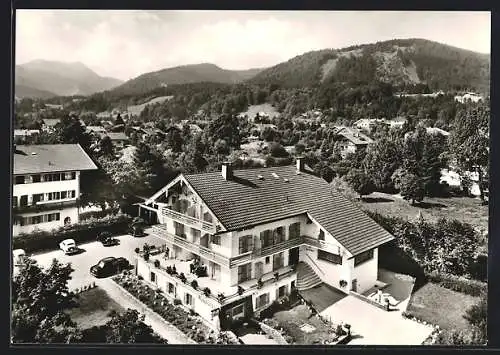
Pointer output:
x,y
157,263
146,256
169,270
240,290
137,250
81,232
194,284
98,214
177,302
459,284
207,291
221,297
182,277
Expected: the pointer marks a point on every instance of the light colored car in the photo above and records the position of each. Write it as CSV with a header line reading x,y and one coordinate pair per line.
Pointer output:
x,y
68,246
17,256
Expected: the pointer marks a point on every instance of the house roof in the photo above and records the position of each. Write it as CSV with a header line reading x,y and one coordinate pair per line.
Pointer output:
x,y
51,158
116,136
96,128
435,130
355,136
246,200
51,121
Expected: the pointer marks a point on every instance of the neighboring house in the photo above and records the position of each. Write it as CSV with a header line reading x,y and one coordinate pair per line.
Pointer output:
x,y
397,122
367,124
250,228
24,133
469,96
53,106
49,124
352,140
46,185
104,115
435,130
119,139
96,129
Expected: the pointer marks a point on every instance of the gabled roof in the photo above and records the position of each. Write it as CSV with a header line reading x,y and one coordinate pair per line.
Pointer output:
x,y
116,136
51,121
51,158
246,201
355,136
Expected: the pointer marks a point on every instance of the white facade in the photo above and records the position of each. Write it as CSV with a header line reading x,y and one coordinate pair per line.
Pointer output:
x,y
40,203
241,258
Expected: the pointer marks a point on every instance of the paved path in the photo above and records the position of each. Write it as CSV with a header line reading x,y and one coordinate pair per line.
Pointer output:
x,y
373,326
159,325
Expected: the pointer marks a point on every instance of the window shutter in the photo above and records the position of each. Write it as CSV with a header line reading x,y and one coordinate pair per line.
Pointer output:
x,y
250,242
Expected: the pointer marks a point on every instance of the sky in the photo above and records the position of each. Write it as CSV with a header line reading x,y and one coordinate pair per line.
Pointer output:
x,y
126,43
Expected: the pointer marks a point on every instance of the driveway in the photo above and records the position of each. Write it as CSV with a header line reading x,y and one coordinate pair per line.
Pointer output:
x,y
373,326
93,252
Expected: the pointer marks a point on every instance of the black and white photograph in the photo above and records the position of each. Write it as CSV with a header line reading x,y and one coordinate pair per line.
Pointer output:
x,y
250,177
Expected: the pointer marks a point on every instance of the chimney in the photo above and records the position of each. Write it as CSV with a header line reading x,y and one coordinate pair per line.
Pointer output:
x,y
300,164
227,171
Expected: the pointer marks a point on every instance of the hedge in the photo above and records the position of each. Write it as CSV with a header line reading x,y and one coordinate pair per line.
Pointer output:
x,y
81,232
98,214
459,284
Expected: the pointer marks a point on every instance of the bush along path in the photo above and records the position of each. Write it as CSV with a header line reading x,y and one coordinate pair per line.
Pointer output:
x,y
188,324
159,325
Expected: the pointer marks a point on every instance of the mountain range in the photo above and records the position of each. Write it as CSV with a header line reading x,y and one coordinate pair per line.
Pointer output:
x,y
400,62
44,79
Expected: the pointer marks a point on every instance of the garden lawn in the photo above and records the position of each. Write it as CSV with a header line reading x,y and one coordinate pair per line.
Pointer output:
x,y
93,308
465,209
441,306
291,320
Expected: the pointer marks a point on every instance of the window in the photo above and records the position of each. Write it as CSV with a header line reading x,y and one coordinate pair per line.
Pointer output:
x,y
69,176
14,201
179,229
64,194
24,200
294,230
171,288
266,238
245,244
28,179
73,194
244,272
238,312
152,277
216,239
363,257
278,261
188,299
196,234
36,178
262,300
37,198
321,235
331,258
282,291
279,235
19,179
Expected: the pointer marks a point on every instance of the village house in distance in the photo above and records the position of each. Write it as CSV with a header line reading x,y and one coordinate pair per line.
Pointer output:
x,y
46,185
256,234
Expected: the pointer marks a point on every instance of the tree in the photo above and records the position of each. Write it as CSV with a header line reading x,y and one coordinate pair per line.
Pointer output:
x,y
278,151
360,182
129,327
106,147
174,139
469,141
477,315
381,161
411,187
39,299
70,131
119,120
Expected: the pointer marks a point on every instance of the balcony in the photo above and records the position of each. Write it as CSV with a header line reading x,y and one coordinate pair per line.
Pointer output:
x,y
45,206
319,244
276,248
188,220
161,232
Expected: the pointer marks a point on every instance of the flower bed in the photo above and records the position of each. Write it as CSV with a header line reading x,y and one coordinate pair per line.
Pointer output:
x,y
187,322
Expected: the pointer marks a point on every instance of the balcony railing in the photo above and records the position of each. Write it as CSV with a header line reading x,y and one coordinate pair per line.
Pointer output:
x,y
161,231
191,221
45,206
275,248
319,243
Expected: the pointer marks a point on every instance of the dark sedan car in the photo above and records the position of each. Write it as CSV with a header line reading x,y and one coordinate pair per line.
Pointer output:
x,y
109,266
107,240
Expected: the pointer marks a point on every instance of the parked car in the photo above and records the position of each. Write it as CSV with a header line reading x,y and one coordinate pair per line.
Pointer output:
x,y
109,266
18,256
68,246
107,240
